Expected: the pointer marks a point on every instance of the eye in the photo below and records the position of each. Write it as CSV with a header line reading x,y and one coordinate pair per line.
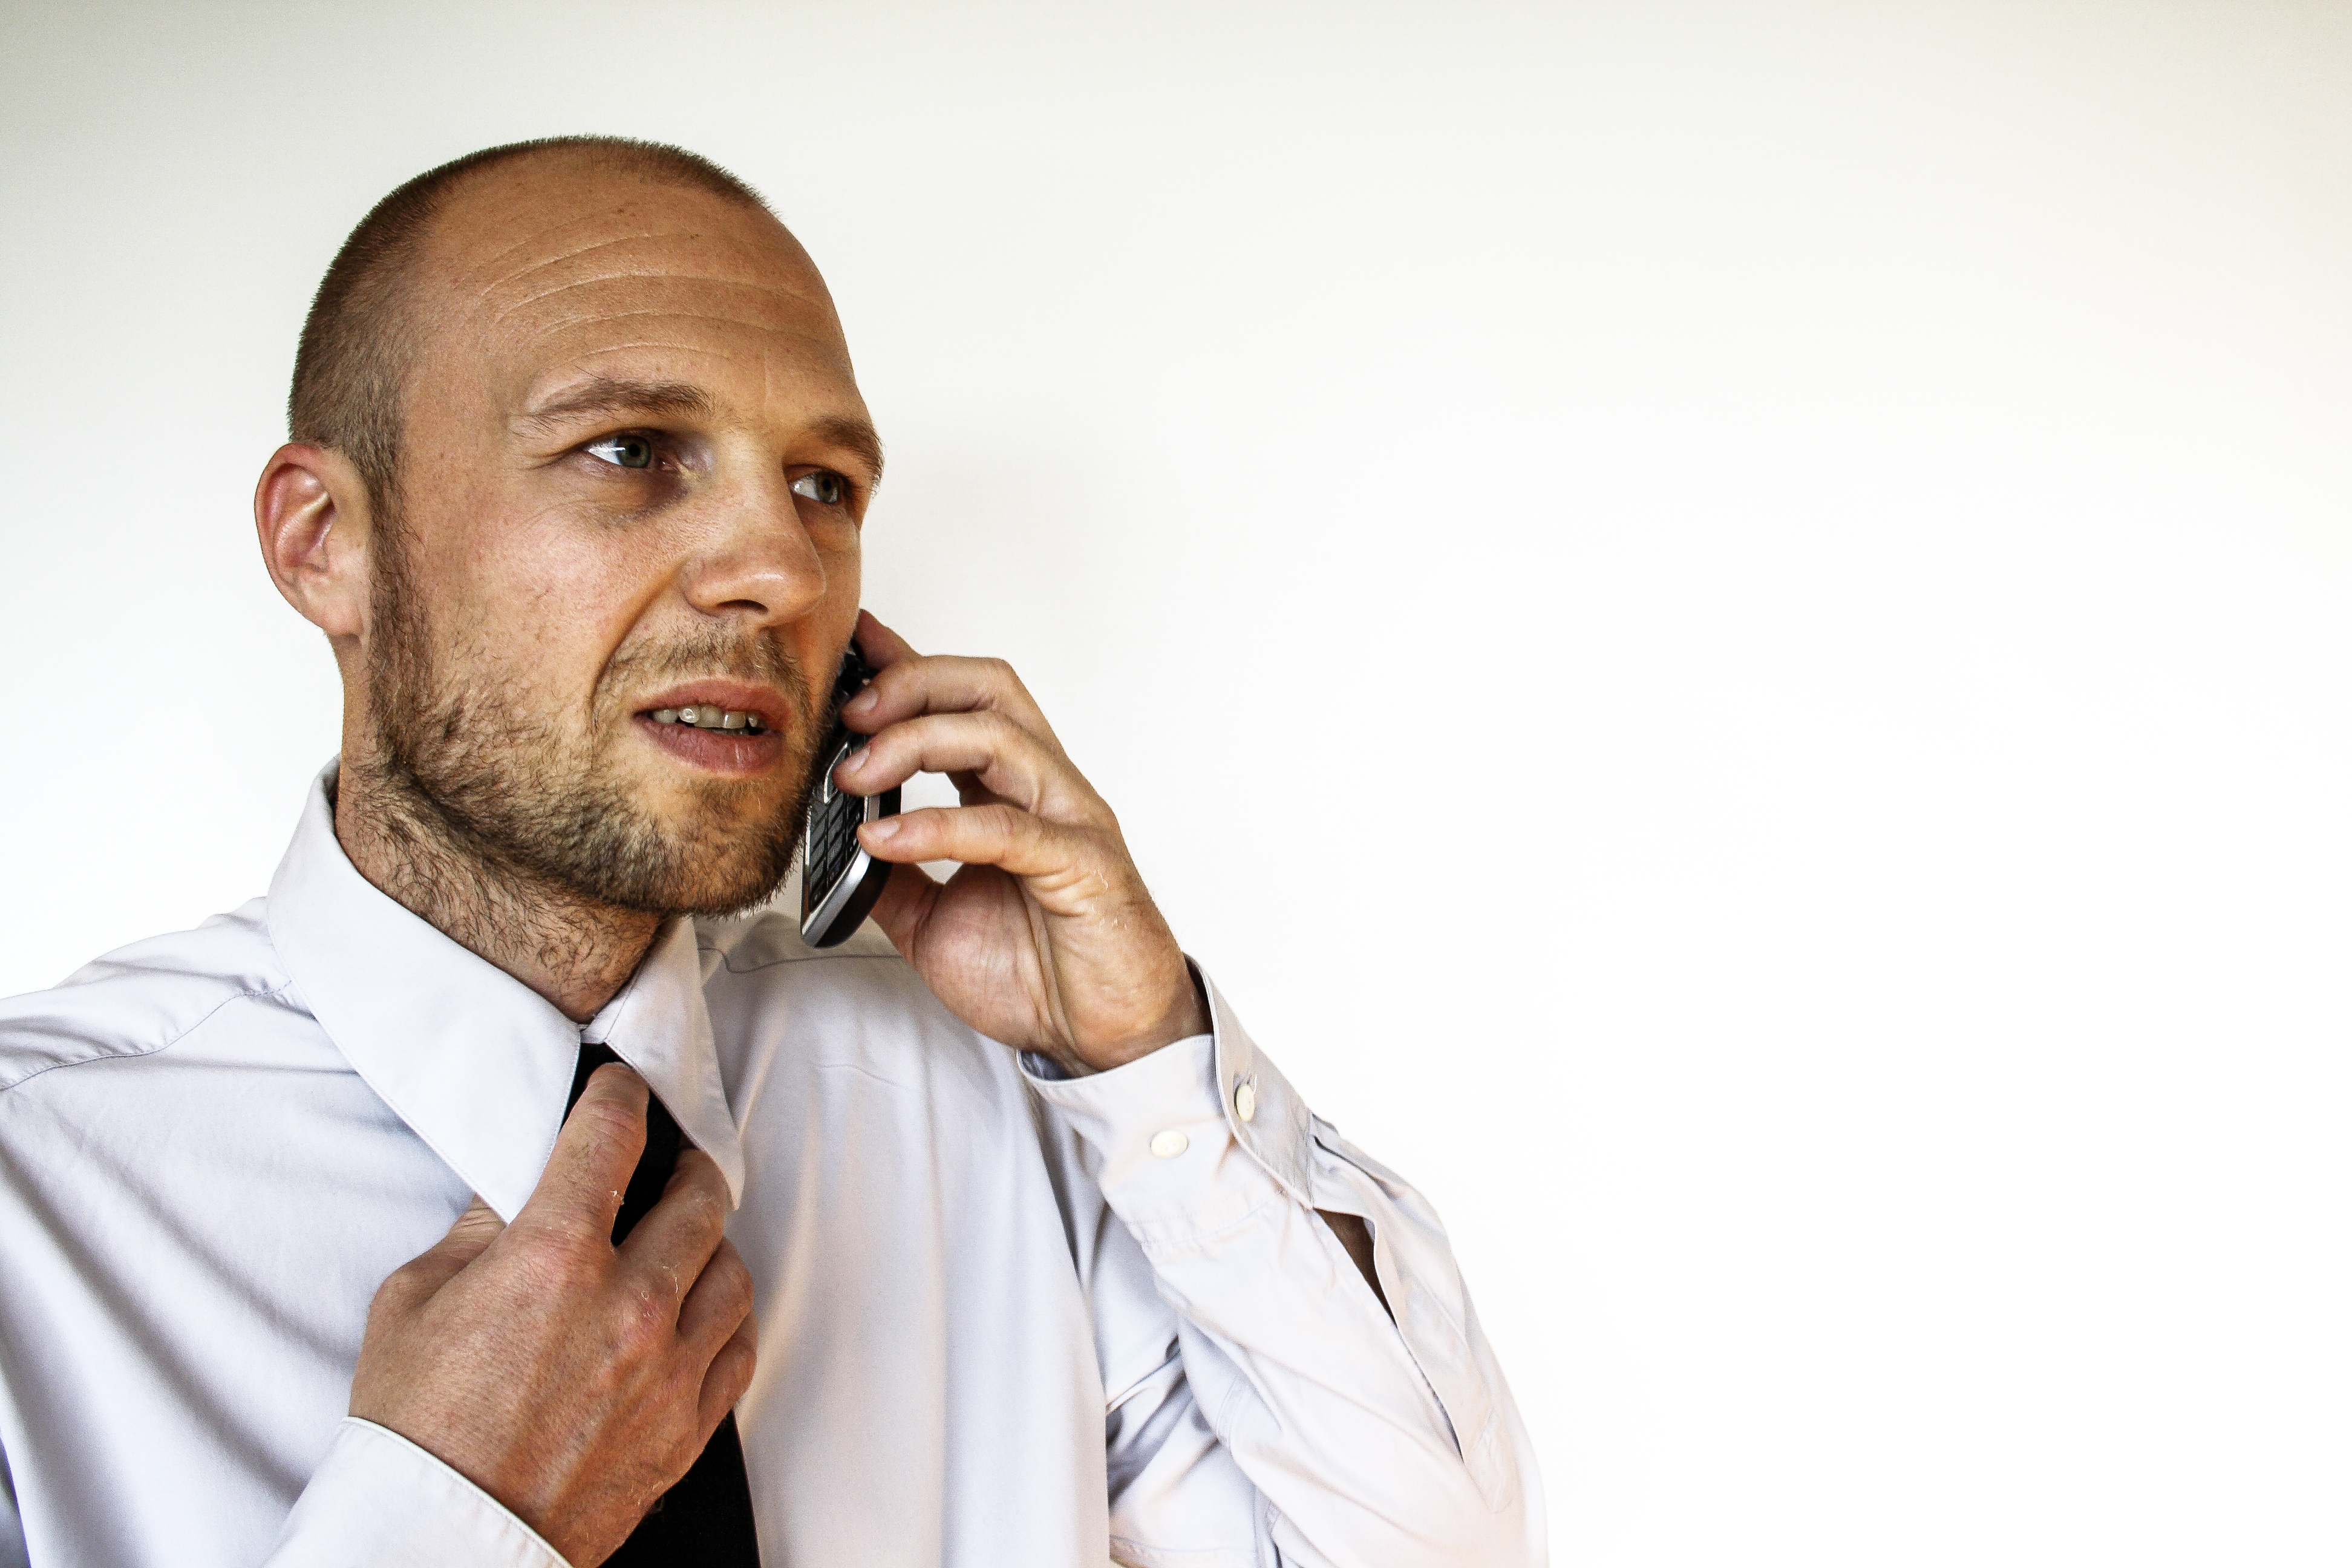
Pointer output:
x,y
625,451
824,487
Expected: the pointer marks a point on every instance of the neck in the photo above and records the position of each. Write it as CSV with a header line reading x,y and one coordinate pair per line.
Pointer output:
x,y
575,951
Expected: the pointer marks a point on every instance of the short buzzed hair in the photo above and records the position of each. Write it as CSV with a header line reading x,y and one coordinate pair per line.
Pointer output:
x,y
356,352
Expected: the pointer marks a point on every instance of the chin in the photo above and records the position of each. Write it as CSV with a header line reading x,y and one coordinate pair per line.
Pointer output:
x,y
724,850
692,881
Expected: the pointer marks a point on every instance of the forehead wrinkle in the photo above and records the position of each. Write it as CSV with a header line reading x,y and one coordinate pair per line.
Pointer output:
x,y
613,242
550,231
603,349
788,346
527,268
605,277
822,345
667,315
570,243
486,276
547,233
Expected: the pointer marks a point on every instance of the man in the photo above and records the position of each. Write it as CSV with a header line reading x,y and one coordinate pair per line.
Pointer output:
x,y
994,1242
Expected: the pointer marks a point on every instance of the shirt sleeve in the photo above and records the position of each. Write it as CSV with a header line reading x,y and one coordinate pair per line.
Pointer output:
x,y
378,1500
1293,1412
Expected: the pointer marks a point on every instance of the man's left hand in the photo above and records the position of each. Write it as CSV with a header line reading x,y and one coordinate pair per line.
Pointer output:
x,y
1046,938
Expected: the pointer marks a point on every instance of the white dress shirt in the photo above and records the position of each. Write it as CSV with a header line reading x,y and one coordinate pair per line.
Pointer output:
x,y
1005,1320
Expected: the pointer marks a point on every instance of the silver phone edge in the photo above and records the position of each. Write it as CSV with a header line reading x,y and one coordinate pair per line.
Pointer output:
x,y
821,917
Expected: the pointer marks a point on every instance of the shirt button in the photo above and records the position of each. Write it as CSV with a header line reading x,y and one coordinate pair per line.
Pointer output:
x,y
1169,1144
1245,1100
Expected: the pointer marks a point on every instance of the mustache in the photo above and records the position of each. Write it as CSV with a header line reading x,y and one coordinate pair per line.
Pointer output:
x,y
756,658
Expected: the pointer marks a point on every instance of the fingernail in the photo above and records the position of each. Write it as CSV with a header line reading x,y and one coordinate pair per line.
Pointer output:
x,y
863,702
881,828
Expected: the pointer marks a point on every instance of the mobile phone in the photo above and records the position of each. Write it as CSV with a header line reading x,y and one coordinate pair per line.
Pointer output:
x,y
839,880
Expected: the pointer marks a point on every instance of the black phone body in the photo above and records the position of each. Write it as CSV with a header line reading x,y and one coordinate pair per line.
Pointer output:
x,y
839,880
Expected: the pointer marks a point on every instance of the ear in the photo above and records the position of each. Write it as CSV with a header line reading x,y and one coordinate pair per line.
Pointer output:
x,y
311,511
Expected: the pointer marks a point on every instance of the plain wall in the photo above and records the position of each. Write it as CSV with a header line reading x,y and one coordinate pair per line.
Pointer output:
x,y
1725,624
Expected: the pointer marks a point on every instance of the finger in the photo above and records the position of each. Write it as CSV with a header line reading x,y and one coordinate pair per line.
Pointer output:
x,y
720,1301
423,1276
1007,761
1067,869
882,647
728,1376
674,1243
581,1188
947,684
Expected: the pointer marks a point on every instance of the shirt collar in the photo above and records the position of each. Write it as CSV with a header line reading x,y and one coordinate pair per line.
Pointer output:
x,y
476,1062
660,1025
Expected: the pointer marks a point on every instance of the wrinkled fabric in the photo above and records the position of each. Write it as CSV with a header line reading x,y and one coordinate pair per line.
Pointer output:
x,y
1005,1318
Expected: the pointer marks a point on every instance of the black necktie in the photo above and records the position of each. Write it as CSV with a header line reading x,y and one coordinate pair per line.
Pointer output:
x,y
705,1521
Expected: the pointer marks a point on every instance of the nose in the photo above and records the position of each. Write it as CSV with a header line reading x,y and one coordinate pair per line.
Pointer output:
x,y
755,559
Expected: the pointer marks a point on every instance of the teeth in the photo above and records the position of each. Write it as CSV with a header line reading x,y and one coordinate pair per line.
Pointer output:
x,y
706,718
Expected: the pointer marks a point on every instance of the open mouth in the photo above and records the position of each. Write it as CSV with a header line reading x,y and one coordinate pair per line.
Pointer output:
x,y
712,736
711,718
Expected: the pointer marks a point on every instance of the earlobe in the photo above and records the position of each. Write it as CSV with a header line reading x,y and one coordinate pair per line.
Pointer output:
x,y
310,510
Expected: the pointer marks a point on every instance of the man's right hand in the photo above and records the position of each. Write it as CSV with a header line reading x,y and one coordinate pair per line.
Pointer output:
x,y
574,1381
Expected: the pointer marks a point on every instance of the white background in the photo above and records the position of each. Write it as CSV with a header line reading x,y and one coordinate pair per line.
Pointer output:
x,y
1725,623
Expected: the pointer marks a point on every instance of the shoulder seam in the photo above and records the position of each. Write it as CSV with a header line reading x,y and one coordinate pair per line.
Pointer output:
x,y
161,1045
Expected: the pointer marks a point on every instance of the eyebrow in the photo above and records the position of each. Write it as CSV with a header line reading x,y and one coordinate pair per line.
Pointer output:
x,y
859,436
606,395
613,394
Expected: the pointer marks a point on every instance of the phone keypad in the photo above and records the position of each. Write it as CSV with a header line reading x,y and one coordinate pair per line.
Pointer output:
x,y
830,843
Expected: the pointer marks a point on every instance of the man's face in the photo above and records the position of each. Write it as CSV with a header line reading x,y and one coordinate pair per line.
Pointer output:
x,y
633,469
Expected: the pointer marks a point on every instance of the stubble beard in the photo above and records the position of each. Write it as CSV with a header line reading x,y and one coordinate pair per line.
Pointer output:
x,y
521,796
